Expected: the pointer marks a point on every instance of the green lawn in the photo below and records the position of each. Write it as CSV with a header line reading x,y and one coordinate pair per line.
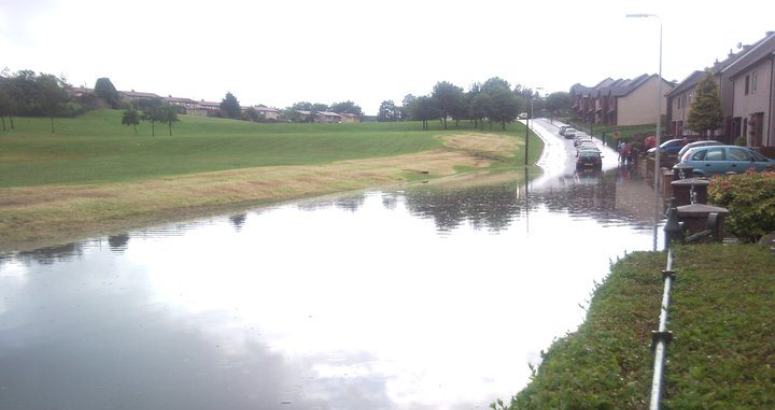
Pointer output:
x,y
722,315
96,148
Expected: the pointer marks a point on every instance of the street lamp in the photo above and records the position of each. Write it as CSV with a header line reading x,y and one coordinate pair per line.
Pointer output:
x,y
657,205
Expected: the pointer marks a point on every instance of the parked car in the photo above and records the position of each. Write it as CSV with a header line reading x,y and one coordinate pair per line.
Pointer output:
x,y
586,145
570,133
589,158
722,159
563,128
670,147
580,136
696,144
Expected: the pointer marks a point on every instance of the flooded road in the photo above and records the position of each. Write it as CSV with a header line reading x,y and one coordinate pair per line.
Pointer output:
x,y
433,296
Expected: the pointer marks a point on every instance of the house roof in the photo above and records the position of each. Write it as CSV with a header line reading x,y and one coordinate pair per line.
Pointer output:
x,y
264,109
210,104
617,88
688,83
134,94
758,51
180,100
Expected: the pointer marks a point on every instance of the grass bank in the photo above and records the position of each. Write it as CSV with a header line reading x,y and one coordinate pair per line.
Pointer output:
x,y
95,176
722,315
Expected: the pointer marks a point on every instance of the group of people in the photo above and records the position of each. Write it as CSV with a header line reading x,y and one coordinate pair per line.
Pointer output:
x,y
628,154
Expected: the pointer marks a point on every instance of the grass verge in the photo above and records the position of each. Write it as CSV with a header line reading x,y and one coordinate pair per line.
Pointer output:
x,y
86,181
722,315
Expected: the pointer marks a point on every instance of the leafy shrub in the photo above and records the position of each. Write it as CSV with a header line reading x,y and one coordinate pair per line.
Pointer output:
x,y
740,141
750,198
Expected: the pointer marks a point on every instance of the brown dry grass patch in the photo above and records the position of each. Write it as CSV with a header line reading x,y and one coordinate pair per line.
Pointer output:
x,y
40,216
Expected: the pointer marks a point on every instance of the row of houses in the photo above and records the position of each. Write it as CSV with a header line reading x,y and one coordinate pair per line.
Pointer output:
x,y
746,81
212,108
200,108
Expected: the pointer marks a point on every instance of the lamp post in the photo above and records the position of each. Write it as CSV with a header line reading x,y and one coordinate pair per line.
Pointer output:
x,y
657,207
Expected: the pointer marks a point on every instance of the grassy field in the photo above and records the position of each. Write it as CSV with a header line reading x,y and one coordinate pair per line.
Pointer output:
x,y
96,176
721,314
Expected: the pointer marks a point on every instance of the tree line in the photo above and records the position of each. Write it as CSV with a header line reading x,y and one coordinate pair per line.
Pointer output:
x,y
494,100
26,93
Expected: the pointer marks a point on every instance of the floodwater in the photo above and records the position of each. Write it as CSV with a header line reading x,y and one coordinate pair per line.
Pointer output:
x,y
430,296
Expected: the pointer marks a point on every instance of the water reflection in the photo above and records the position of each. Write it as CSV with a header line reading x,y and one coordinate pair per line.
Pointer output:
x,y
429,297
118,243
238,220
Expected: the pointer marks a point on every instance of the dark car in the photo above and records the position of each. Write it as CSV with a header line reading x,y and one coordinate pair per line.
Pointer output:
x,y
670,147
723,159
589,159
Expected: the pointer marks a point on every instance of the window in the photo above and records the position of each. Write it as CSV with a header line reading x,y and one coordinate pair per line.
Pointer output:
x,y
759,157
754,80
747,83
737,154
679,101
715,154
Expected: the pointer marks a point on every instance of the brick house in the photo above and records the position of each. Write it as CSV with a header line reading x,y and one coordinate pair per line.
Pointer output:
x,y
620,102
681,97
753,84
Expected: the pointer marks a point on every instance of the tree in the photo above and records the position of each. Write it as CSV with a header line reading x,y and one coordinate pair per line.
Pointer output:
x,y
290,114
105,90
424,109
449,99
6,106
481,107
22,89
705,113
406,107
302,106
168,114
316,108
387,111
131,117
557,102
503,105
152,112
51,95
230,106
347,106
251,114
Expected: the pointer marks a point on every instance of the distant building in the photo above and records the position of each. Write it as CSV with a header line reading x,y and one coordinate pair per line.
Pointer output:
x,y
135,96
321,116
78,92
620,102
267,114
348,117
186,103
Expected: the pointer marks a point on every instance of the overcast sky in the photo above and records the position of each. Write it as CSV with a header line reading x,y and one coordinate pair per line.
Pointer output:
x,y
279,52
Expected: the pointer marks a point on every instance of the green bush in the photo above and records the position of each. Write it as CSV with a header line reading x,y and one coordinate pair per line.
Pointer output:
x,y
740,141
750,198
